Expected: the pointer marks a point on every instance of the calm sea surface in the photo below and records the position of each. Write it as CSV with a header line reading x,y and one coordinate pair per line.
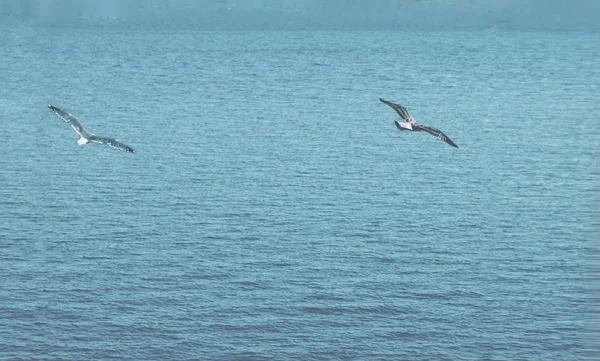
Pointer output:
x,y
272,211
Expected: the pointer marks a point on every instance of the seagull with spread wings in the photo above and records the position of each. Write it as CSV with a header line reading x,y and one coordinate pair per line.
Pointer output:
x,y
86,135
410,123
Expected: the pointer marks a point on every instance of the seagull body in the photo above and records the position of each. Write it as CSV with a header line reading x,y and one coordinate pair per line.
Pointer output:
x,y
410,123
86,135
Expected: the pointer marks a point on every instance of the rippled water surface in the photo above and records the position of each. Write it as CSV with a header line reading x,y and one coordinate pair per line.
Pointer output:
x,y
273,211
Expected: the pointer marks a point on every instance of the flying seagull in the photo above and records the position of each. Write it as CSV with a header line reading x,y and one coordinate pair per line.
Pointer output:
x,y
86,135
410,123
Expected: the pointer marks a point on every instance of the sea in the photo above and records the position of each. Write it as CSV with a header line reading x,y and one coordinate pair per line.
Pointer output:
x,y
272,210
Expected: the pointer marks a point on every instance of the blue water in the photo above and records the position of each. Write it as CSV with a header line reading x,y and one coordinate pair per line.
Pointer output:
x,y
272,211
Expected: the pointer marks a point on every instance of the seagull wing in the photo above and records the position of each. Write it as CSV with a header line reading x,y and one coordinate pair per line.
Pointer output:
x,y
399,109
75,123
437,133
115,143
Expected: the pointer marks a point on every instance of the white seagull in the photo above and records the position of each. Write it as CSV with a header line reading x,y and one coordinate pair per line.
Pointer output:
x,y
86,135
411,124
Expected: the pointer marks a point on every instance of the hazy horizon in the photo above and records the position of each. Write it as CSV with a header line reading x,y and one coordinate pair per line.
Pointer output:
x,y
298,14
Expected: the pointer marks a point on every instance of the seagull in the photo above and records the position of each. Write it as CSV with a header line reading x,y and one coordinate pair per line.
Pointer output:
x,y
411,124
86,135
